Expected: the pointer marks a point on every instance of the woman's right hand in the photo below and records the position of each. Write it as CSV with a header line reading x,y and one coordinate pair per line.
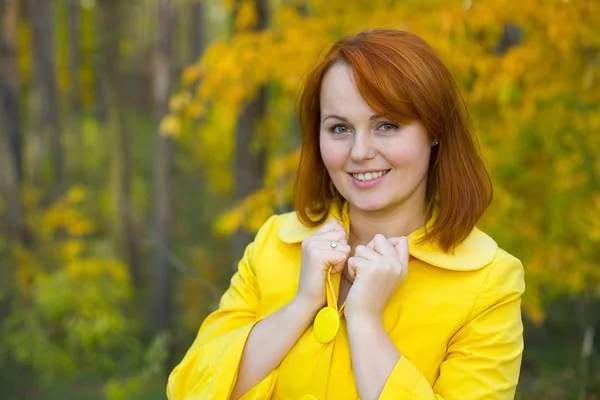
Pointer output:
x,y
317,257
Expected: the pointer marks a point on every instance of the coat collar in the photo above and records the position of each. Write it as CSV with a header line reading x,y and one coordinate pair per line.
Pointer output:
x,y
476,251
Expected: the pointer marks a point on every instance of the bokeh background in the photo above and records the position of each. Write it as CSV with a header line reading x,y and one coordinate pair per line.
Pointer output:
x,y
143,142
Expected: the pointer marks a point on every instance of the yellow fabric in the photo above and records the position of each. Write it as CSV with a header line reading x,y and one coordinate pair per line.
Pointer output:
x,y
455,320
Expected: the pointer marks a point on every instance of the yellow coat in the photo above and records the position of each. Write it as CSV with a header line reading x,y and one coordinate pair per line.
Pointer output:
x,y
455,319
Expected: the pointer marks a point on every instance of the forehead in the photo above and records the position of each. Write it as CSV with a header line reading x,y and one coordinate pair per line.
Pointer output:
x,y
339,93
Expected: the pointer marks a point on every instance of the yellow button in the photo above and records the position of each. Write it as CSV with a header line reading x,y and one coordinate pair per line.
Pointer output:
x,y
327,323
307,397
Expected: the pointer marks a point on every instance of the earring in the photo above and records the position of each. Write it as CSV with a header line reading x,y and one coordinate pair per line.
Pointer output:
x,y
435,142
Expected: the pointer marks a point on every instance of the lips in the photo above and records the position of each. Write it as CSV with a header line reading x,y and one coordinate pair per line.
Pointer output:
x,y
369,176
369,179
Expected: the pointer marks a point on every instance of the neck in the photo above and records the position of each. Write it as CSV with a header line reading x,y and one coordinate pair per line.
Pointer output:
x,y
400,221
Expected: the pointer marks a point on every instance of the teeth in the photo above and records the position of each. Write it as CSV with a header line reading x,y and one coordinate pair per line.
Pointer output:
x,y
369,175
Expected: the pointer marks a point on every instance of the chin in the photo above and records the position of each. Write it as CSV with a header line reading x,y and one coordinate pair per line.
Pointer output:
x,y
368,204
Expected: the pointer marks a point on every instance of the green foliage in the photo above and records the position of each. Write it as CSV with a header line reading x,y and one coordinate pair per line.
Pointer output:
x,y
69,308
150,373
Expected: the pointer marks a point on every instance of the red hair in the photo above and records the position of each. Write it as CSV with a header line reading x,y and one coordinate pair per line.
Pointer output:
x,y
401,78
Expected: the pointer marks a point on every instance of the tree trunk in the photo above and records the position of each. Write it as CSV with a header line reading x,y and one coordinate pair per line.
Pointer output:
x,y
100,63
46,126
10,82
198,34
587,322
249,166
126,234
11,170
13,223
11,160
162,292
75,56
75,84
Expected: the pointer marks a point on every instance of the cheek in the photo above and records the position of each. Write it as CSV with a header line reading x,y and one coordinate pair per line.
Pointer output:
x,y
415,160
333,155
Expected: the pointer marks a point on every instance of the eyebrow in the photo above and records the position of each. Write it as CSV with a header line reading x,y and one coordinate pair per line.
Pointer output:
x,y
333,116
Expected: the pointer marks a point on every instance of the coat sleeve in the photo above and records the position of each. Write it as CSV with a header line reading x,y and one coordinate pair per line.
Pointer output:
x,y
484,357
210,367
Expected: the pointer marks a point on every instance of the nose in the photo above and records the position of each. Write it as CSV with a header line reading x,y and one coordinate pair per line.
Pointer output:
x,y
363,147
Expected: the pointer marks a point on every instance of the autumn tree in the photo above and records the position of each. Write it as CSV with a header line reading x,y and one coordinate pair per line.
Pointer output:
x,y
162,292
46,114
11,132
529,77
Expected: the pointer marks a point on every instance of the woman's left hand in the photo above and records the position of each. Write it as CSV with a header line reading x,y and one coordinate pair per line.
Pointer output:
x,y
377,270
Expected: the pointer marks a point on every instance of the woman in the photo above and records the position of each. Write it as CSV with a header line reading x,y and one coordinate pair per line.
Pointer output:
x,y
379,285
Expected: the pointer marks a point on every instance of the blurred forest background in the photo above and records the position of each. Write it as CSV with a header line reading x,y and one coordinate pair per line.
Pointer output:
x,y
142,142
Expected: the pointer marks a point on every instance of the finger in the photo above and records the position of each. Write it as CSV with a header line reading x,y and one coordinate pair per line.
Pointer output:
x,y
326,242
339,266
342,248
401,248
352,267
330,225
355,264
384,247
395,240
367,253
326,245
371,244
338,236
333,259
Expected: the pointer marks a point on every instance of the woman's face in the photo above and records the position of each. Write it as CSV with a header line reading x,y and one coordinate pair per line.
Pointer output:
x,y
375,163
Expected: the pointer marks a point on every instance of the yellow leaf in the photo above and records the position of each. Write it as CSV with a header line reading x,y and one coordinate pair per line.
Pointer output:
x,y
190,75
72,249
76,194
170,126
179,101
246,16
228,223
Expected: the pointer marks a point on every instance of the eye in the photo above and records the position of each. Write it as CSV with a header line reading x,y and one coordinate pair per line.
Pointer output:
x,y
339,129
388,127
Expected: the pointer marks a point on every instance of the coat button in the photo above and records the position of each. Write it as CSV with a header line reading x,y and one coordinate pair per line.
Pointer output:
x,y
327,323
307,397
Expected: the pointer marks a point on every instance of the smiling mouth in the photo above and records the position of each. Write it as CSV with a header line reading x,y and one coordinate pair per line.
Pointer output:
x,y
369,176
